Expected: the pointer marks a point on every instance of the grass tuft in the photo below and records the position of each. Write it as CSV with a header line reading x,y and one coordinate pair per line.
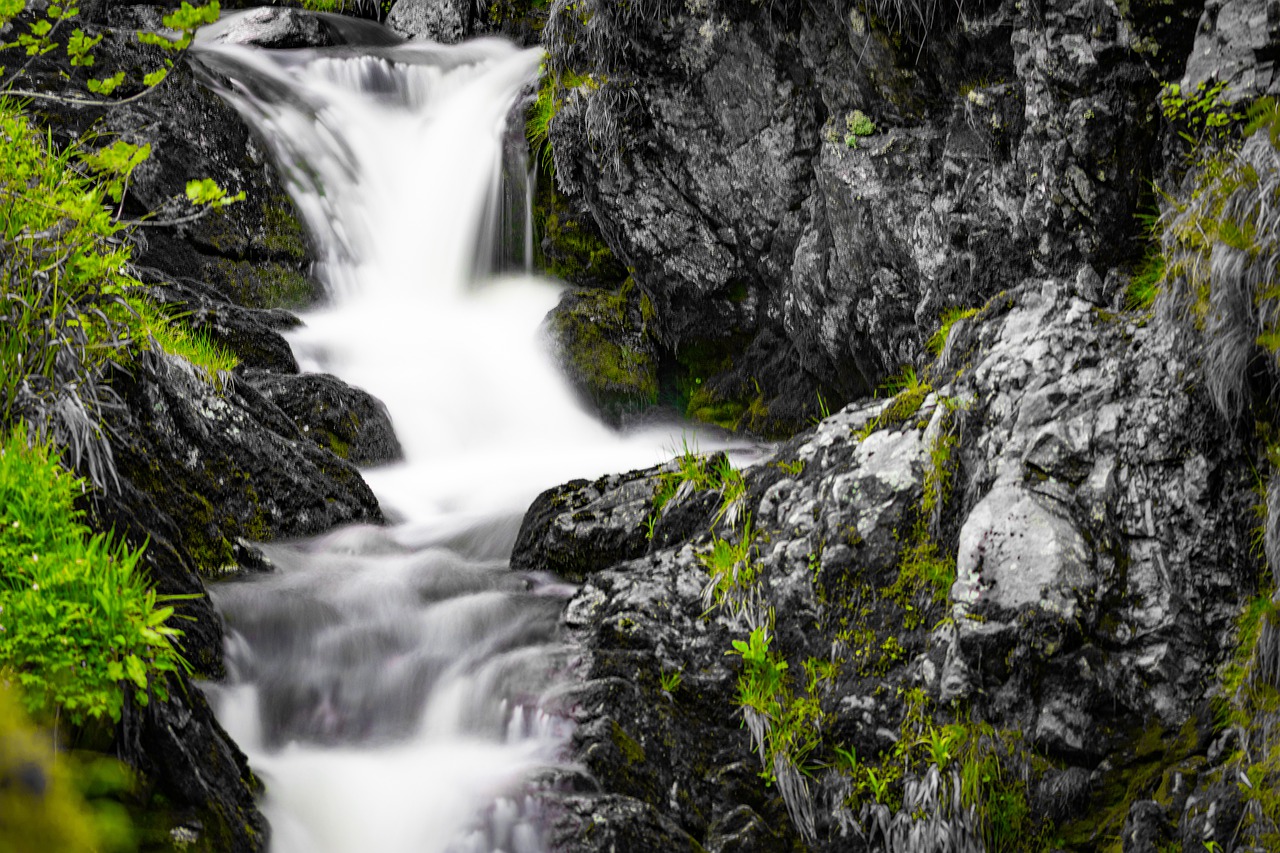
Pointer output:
x,y
79,625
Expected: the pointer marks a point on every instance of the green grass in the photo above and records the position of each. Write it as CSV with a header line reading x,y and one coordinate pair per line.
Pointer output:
x,y
1144,284
730,565
78,622
938,340
69,306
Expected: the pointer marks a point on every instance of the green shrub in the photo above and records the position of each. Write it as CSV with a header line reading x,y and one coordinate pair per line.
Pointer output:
x,y
78,622
69,306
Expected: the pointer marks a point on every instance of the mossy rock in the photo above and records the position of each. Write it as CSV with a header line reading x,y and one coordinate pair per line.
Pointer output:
x,y
601,340
571,246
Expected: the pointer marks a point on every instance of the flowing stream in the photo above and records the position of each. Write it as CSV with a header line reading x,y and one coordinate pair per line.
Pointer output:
x,y
395,686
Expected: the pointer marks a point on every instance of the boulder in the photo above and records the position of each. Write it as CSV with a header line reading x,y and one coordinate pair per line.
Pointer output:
x,y
347,421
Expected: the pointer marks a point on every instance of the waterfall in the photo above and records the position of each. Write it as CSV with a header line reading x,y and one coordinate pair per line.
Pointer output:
x,y
390,684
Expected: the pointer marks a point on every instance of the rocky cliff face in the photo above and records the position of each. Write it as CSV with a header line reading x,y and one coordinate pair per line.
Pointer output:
x,y
1023,603
804,191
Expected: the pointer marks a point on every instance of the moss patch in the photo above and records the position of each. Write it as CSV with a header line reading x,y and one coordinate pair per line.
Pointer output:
x,y
607,351
261,285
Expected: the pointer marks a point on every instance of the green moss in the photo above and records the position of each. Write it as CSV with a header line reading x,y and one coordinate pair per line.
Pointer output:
x,y
284,235
609,355
1143,773
938,340
261,285
632,751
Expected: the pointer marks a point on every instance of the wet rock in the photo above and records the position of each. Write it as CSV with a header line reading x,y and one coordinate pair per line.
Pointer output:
x,y
349,422
590,823
179,745
1096,518
276,28
581,527
600,340
252,334
216,465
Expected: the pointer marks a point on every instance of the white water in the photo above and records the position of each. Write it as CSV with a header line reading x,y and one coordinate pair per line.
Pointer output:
x,y
390,684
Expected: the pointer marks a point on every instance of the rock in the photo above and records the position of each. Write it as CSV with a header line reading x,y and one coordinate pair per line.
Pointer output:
x,y
1017,552
590,823
444,21
179,745
252,334
1212,816
1146,828
600,340
579,528
1234,44
216,465
721,169
1097,520
272,27
350,423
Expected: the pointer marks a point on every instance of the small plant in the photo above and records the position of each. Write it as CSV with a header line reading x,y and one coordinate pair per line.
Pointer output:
x,y
730,566
940,744
760,687
670,681
77,620
857,124
1202,111
793,468
938,340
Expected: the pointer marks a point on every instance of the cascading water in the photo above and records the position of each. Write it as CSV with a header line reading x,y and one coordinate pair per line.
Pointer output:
x,y
390,684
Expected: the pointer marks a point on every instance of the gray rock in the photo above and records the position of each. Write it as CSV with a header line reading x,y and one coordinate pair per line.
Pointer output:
x,y
1098,519
1235,44
443,21
349,422
272,27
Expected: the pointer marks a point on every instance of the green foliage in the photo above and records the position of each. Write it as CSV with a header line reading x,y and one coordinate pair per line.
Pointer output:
x,y
938,340
908,392
730,566
205,192
78,623
68,303
185,20
671,680
1201,113
1144,284
760,686
857,124
552,90
794,468
1219,268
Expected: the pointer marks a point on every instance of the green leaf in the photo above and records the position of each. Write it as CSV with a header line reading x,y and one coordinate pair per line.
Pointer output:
x,y
106,85
137,671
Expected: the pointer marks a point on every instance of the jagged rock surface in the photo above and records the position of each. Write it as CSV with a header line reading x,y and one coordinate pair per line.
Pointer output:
x,y
349,422
711,143
1099,520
